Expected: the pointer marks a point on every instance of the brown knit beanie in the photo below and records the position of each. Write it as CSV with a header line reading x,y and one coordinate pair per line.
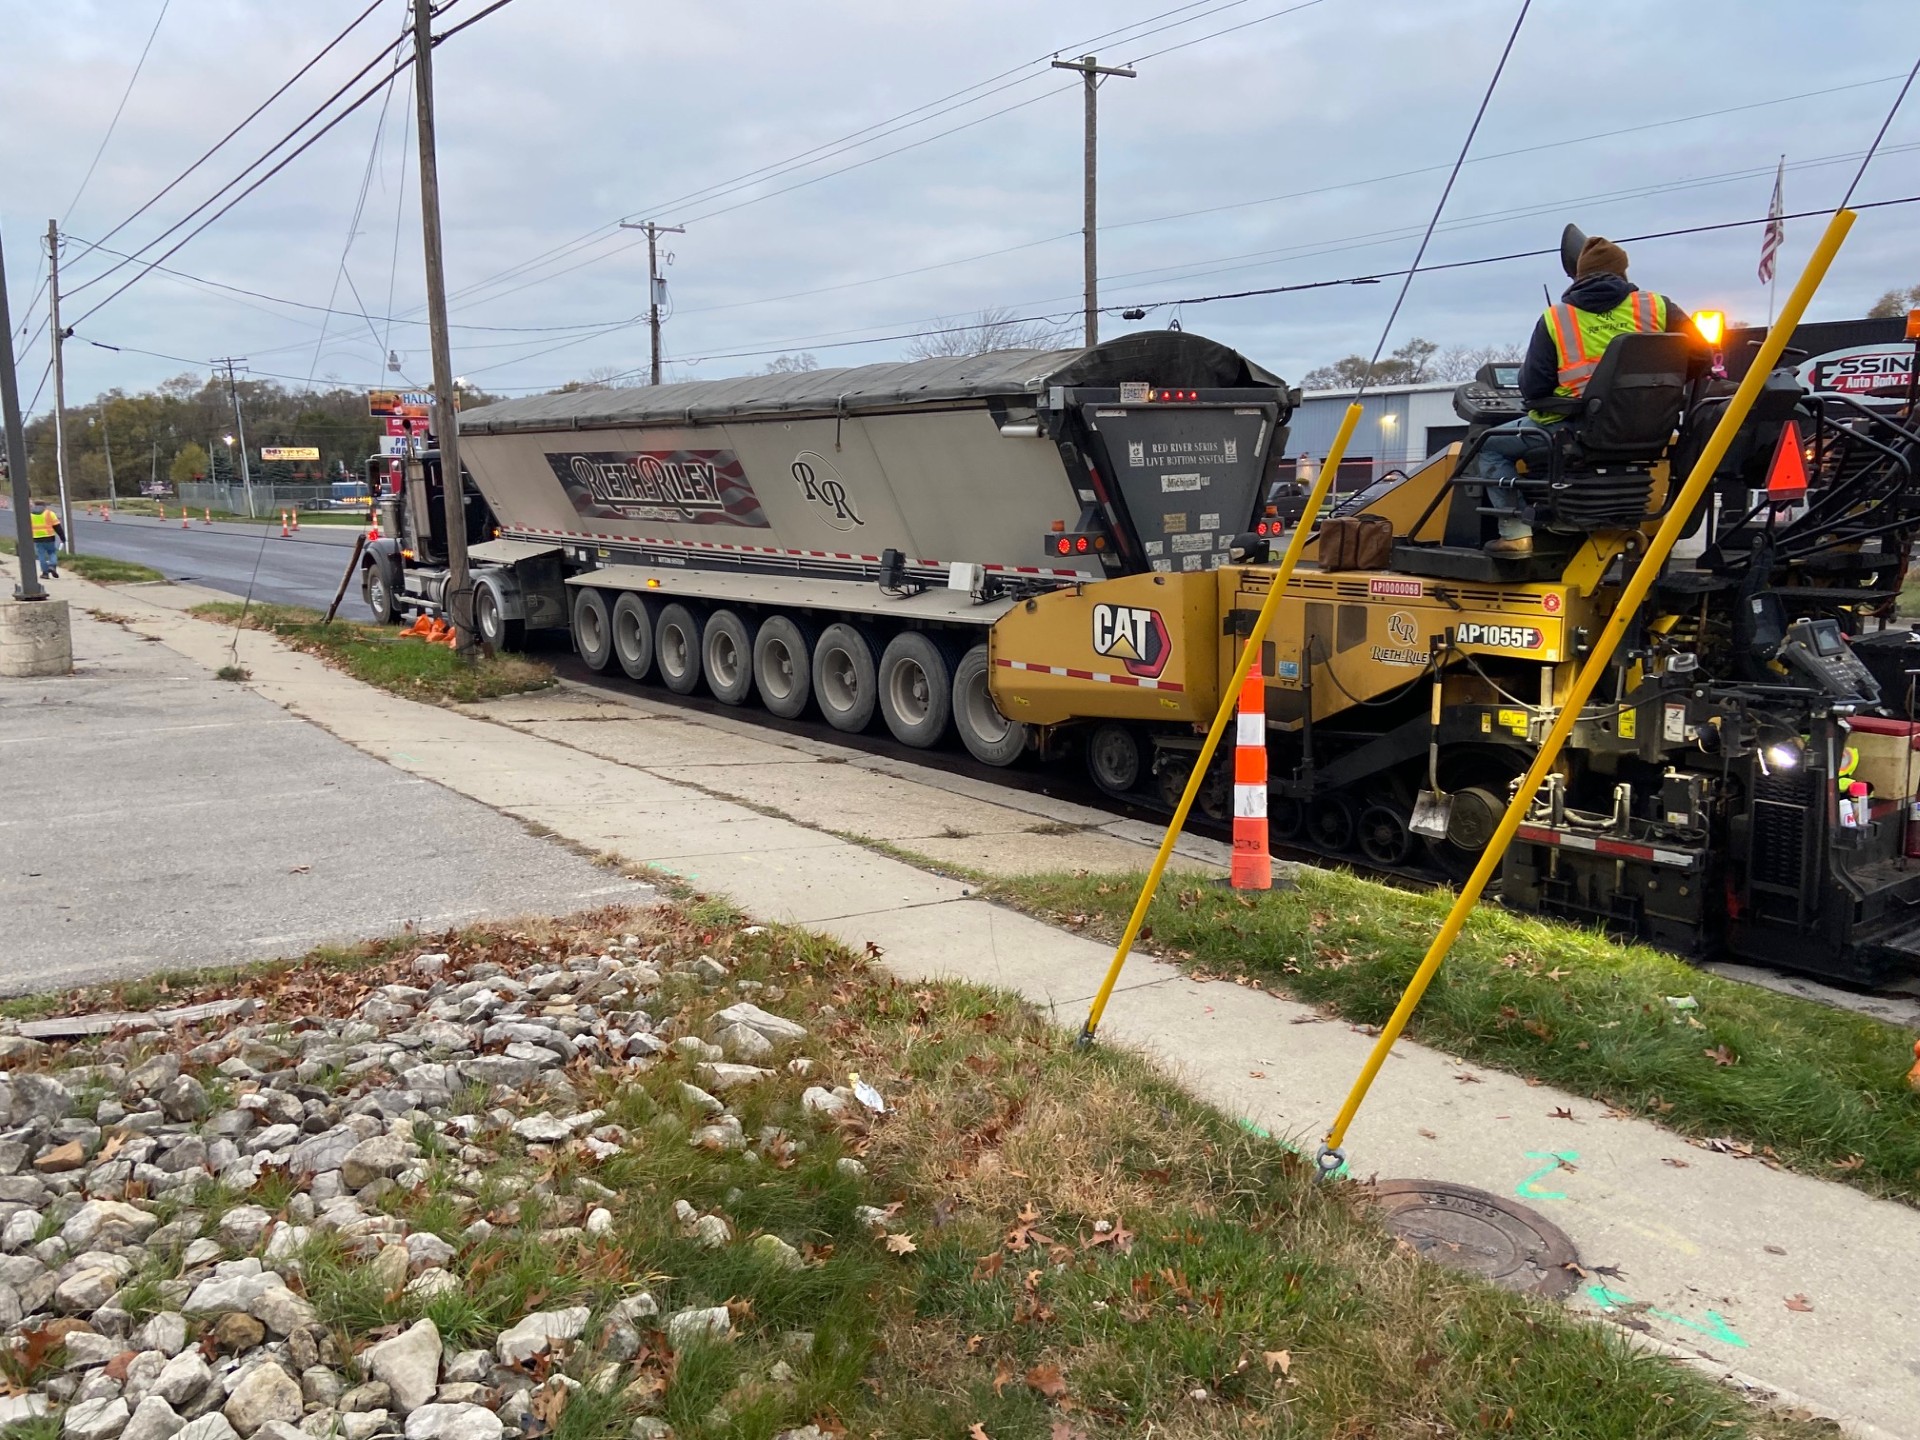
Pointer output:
x,y
1600,257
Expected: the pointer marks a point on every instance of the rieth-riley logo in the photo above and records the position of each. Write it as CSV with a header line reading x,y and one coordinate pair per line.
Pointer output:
x,y
822,488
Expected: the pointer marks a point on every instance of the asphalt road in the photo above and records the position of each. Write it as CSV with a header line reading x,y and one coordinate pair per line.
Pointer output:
x,y
301,570
176,821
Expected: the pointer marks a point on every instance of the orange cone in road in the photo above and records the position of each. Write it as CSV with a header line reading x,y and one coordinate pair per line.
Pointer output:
x,y
106,512
183,516
295,516
284,532
1252,867
209,518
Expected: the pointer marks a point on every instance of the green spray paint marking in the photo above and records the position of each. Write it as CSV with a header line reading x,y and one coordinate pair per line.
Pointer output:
x,y
1528,1189
1715,1326
1253,1129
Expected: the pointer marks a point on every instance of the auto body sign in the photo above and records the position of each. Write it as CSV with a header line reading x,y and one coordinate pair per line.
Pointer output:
x,y
1860,370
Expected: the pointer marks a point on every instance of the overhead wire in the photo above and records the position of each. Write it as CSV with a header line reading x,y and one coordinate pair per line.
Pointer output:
x,y
253,115
114,123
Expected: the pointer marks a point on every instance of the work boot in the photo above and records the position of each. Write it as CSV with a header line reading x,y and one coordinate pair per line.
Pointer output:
x,y
1517,548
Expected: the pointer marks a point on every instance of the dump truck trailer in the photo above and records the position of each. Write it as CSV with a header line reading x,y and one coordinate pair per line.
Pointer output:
x,y
1059,555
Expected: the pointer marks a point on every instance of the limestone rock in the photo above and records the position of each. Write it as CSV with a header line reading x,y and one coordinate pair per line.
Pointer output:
x,y
184,1377
772,1027
382,1157
409,1364
281,1311
95,1420
208,1427
153,1419
454,1422
107,1222
165,1332
743,1042
535,1334
265,1393
723,1077
237,1332
687,1326
183,1099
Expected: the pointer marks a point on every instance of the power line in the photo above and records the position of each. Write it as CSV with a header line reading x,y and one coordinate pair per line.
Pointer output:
x,y
1199,39
166,189
112,124
313,115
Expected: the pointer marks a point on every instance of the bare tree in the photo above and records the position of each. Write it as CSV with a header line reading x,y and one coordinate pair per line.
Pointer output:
x,y
792,363
1894,304
995,328
601,377
1460,362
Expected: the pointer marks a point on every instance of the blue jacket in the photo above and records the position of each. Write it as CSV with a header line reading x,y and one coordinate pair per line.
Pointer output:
x,y
1540,372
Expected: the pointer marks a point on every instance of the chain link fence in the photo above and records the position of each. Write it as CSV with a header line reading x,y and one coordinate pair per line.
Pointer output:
x,y
267,499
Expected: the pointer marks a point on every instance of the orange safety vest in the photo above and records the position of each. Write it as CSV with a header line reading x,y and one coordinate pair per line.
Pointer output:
x,y
1581,337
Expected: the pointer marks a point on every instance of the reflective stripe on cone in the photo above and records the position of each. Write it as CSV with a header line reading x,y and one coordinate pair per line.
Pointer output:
x,y
1252,867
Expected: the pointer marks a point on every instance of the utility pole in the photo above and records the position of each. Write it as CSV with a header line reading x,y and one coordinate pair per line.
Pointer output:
x,y
29,587
106,439
59,382
1091,71
654,232
239,428
446,416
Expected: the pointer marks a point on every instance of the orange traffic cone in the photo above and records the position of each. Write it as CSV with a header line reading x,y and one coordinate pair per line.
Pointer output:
x,y
295,515
1913,1075
284,532
1252,866
373,525
209,518
106,512
183,516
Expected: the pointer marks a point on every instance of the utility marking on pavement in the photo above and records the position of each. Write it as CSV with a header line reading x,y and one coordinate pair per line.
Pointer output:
x,y
1252,1129
1715,1327
1527,1189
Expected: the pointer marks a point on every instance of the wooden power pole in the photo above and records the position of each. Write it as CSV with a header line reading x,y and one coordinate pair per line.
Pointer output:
x,y
59,383
457,600
654,232
1091,71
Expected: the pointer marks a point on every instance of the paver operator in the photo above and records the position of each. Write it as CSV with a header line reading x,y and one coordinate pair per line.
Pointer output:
x,y
1568,341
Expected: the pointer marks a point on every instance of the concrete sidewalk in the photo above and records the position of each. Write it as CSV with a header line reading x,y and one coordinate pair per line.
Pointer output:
x,y
1703,1255
182,821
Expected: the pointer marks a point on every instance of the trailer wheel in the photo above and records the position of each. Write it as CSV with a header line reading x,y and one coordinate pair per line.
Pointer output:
x,y
1384,837
1332,822
1113,758
633,622
592,628
783,666
916,690
676,648
989,736
845,679
726,655
495,628
373,589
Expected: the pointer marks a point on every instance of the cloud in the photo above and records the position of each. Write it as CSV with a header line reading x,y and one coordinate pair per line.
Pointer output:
x,y
559,119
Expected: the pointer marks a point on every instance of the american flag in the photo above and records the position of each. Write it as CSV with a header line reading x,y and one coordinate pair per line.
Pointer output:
x,y
1776,231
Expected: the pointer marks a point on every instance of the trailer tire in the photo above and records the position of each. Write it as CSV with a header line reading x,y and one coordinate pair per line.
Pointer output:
x,y
676,648
845,679
592,628
989,736
1114,759
633,621
783,665
726,657
916,689
490,619
378,594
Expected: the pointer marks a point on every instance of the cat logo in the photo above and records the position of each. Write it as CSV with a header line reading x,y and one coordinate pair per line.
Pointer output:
x,y
1401,627
1135,637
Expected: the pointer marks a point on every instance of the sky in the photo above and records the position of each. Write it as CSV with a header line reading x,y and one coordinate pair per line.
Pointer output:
x,y
851,171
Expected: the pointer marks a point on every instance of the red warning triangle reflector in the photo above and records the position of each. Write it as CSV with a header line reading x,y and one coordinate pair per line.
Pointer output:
x,y
1787,476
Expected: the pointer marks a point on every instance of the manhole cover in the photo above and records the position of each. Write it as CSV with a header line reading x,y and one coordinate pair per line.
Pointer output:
x,y
1469,1229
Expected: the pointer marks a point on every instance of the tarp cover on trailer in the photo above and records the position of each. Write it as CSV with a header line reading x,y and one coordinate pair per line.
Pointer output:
x,y
1171,358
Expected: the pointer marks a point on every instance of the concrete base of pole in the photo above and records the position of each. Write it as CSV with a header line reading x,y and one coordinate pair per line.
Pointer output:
x,y
36,638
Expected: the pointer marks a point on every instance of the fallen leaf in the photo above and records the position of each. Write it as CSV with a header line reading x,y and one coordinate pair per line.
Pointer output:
x,y
1720,1055
1676,1164
901,1244
974,1342
1048,1380
1799,1303
1558,974
1002,1376
874,952
1066,1430
1466,1077
1429,1134
975,1431
1774,1249
1257,1074
1852,1162
1280,1360
1560,1112
299,869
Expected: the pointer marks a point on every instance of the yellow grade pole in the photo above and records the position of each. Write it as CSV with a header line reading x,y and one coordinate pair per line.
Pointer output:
x,y
1330,1158
1229,698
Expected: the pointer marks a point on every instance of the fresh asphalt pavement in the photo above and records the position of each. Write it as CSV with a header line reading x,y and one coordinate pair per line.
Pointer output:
x,y
302,569
174,820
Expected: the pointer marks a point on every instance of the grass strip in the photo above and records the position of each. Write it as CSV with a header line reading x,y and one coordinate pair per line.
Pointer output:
x,y
1782,1079
382,656
101,569
1033,1243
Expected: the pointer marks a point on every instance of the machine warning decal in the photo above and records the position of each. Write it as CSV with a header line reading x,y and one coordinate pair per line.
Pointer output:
x,y
824,491
1497,637
686,487
1550,603
1135,637
1406,589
